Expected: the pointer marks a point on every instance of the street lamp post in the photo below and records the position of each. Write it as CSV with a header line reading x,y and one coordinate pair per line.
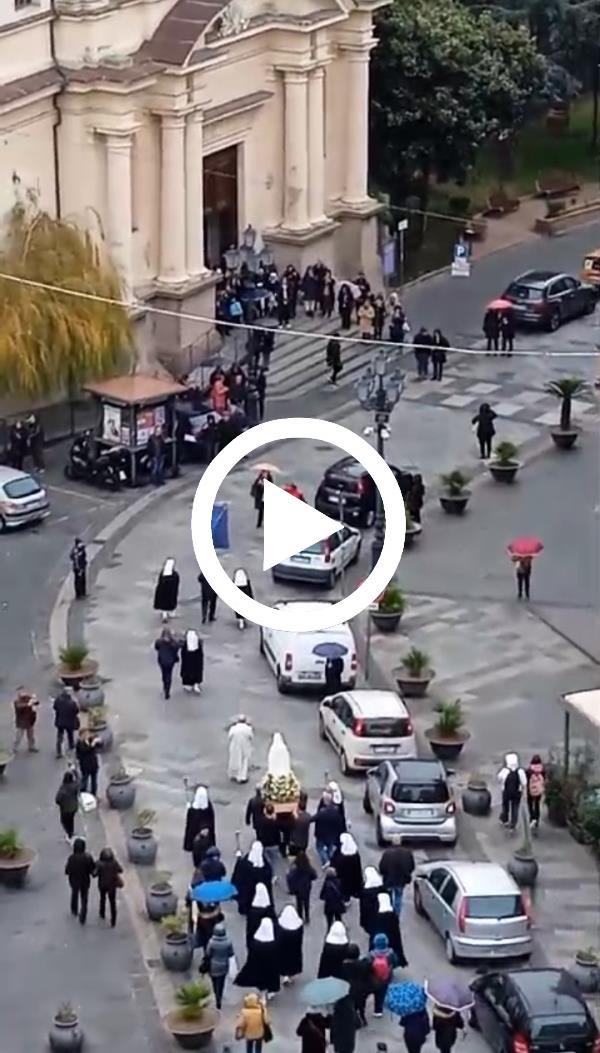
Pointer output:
x,y
379,389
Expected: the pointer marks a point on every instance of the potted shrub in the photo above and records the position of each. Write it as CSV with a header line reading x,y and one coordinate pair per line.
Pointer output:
x,y
585,970
99,727
504,465
65,1033
476,798
562,791
161,900
177,950
565,435
455,496
75,665
142,845
415,674
15,859
524,866
413,531
588,817
193,1022
448,736
5,759
390,607
120,792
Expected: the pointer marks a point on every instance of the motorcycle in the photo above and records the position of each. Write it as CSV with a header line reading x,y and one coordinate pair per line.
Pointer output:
x,y
107,469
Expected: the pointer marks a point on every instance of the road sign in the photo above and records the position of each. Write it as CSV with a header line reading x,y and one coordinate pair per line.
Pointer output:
x,y
461,268
402,225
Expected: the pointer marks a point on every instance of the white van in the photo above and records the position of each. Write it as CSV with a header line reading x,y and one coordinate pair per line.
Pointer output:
x,y
298,659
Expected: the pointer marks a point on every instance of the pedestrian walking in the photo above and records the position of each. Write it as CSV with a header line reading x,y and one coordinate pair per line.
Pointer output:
x,y
332,898
329,826
17,445
312,1031
167,656
338,800
257,493
243,583
396,867
439,348
513,781
166,592
507,332
491,329
283,304
366,319
356,970
253,1023
269,835
446,1025
290,936
249,871
267,346
208,599
416,1028
78,557
335,950
67,799
523,568
536,784
333,357
347,865
261,969
415,498
240,737
217,959
422,350
369,898
192,662
300,879
156,448
80,868
108,872
483,425
35,442
211,865
255,808
379,313
200,816
66,719
86,752
386,923
300,828
334,671
261,907
383,962
219,396
345,305
25,708
343,1026
260,382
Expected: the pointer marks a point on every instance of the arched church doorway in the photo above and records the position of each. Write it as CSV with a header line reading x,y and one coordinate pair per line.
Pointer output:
x,y
220,204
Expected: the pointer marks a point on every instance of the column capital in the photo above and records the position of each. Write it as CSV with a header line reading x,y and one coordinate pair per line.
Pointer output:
x,y
196,116
358,52
117,138
171,119
294,74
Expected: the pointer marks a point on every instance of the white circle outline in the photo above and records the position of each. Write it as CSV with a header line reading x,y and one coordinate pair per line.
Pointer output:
x,y
276,431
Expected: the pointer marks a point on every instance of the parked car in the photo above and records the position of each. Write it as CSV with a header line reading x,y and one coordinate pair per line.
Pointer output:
x,y
412,798
347,492
526,1010
22,499
298,659
546,299
324,562
477,909
365,726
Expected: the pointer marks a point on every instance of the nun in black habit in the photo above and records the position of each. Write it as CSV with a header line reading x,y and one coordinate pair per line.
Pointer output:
x,y
249,871
369,898
166,592
261,907
347,865
386,921
334,951
192,662
289,944
261,969
200,817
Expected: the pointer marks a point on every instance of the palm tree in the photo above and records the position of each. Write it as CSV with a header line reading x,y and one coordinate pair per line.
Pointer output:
x,y
566,390
52,342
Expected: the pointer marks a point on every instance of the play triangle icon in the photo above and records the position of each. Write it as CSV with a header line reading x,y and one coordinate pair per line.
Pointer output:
x,y
290,526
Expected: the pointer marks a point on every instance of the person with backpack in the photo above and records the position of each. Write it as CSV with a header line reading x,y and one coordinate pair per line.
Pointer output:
x,y
383,963
513,781
536,784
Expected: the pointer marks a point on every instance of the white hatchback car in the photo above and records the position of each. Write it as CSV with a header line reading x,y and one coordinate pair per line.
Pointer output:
x,y
366,727
22,499
322,563
298,659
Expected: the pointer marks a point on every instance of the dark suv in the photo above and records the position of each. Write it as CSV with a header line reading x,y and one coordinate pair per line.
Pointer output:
x,y
545,299
348,493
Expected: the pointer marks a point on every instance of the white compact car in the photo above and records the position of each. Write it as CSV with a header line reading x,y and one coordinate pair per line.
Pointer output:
x,y
366,727
298,659
324,562
22,499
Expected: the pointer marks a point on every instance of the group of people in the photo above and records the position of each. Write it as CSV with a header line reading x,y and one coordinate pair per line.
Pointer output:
x,y
238,387
26,439
516,781
499,331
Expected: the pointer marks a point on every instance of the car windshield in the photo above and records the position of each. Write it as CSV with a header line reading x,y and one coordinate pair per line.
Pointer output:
x,y
524,292
425,793
386,728
495,906
560,1027
26,487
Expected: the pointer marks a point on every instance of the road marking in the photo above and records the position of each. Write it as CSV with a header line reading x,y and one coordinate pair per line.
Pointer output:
x,y
76,493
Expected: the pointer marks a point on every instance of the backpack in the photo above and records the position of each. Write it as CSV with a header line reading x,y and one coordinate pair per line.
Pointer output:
x,y
536,783
512,784
381,968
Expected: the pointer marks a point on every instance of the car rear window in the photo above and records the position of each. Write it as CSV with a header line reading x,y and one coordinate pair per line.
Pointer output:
x,y
426,793
559,1028
495,907
22,488
386,728
524,292
313,550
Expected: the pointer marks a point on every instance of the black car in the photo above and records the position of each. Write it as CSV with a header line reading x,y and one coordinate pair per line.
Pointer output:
x,y
533,1011
347,492
545,299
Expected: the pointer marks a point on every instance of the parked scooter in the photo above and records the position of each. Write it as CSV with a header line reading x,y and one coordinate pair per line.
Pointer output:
x,y
106,469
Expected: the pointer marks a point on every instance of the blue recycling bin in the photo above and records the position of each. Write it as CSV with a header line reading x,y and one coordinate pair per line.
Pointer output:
x,y
220,525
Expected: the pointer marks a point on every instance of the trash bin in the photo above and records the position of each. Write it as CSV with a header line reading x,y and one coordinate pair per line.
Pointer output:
x,y
220,525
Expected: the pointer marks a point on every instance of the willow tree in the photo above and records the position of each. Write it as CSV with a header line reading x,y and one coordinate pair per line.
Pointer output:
x,y
52,341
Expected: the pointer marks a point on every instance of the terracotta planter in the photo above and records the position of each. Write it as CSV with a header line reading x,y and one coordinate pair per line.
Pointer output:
x,y
413,533
192,1034
90,693
120,793
476,800
455,505
504,473
177,952
446,749
524,868
564,440
65,1036
142,846
586,974
160,901
413,686
13,872
386,621
74,677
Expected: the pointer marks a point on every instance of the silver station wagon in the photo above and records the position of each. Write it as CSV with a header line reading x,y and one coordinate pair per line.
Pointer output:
x,y
477,908
22,499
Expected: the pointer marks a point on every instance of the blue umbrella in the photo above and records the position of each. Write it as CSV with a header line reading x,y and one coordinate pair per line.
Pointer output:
x,y
213,892
325,991
449,994
330,650
404,998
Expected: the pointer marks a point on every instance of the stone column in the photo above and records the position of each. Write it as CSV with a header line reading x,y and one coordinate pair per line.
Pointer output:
x,y
357,127
172,200
295,210
316,145
194,193
118,187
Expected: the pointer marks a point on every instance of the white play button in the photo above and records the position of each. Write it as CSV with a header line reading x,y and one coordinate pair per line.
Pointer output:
x,y
290,526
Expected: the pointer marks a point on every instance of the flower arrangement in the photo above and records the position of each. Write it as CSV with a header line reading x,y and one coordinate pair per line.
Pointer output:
x,y
280,788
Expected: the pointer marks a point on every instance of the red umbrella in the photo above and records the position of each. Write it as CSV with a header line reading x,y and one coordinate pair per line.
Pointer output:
x,y
525,546
499,305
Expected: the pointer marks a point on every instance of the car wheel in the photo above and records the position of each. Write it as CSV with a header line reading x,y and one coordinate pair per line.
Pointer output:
x,y
330,580
282,687
322,734
450,952
2,525
367,806
367,519
419,908
554,321
261,643
379,835
344,766
356,555
68,471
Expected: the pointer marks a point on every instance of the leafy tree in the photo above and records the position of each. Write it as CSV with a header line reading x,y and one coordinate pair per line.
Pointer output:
x,y
51,341
444,79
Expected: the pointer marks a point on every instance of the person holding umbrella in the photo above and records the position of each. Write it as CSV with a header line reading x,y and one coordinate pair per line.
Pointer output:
x,y
408,1001
507,332
491,328
521,552
450,999
257,492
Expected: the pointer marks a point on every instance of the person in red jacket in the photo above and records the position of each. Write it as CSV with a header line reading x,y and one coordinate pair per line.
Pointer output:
x,y
294,491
